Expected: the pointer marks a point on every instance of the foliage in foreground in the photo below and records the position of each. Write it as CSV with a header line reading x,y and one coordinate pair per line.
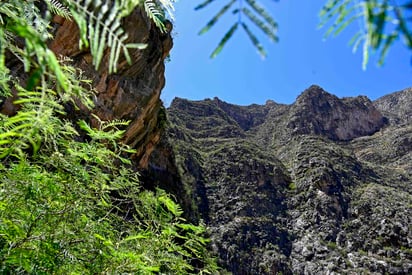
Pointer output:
x,y
71,207
380,23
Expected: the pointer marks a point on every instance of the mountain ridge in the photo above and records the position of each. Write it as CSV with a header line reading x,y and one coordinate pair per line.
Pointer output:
x,y
299,188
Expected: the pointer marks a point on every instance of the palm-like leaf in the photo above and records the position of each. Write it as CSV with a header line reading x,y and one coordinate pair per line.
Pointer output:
x,y
254,12
204,4
224,40
270,32
254,40
263,13
213,21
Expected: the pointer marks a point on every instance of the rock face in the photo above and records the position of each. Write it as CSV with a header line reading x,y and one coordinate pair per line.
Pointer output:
x,y
317,187
132,93
320,113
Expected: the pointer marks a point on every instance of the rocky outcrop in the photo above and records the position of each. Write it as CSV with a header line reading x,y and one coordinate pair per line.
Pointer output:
x,y
396,106
133,93
317,187
318,112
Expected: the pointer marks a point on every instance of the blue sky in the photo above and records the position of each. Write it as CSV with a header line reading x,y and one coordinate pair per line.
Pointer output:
x,y
301,57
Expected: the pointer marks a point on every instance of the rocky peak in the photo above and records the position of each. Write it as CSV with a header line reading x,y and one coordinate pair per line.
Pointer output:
x,y
396,106
318,112
242,117
281,193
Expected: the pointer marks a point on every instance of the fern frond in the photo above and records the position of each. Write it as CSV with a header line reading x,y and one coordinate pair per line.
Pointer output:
x,y
100,27
112,124
4,71
33,124
58,8
155,13
167,5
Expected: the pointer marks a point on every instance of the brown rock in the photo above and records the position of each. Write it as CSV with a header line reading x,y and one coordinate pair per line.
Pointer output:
x,y
318,112
133,93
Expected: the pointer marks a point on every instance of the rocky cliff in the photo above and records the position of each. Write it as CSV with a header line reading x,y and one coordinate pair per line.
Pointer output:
x,y
133,93
315,187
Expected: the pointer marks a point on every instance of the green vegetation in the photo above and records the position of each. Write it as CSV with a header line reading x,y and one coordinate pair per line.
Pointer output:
x,y
292,186
69,201
331,245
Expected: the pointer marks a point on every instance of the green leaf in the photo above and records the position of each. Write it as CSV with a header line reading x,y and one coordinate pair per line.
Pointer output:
x,y
34,79
261,25
140,46
224,40
255,41
343,25
331,9
204,4
388,43
135,237
170,205
212,22
262,12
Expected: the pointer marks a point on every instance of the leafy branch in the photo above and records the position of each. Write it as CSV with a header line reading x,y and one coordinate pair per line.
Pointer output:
x,y
381,22
254,12
100,27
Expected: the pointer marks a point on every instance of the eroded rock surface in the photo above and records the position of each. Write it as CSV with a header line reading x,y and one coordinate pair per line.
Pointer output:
x,y
318,112
132,93
321,186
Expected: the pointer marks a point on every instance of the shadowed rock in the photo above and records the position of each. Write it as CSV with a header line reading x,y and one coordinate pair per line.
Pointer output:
x,y
318,112
285,194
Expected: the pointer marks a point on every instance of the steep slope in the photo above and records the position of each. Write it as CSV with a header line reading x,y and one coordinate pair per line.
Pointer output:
x,y
319,186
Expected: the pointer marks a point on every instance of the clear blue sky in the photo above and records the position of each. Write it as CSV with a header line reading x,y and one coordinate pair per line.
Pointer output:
x,y
301,58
